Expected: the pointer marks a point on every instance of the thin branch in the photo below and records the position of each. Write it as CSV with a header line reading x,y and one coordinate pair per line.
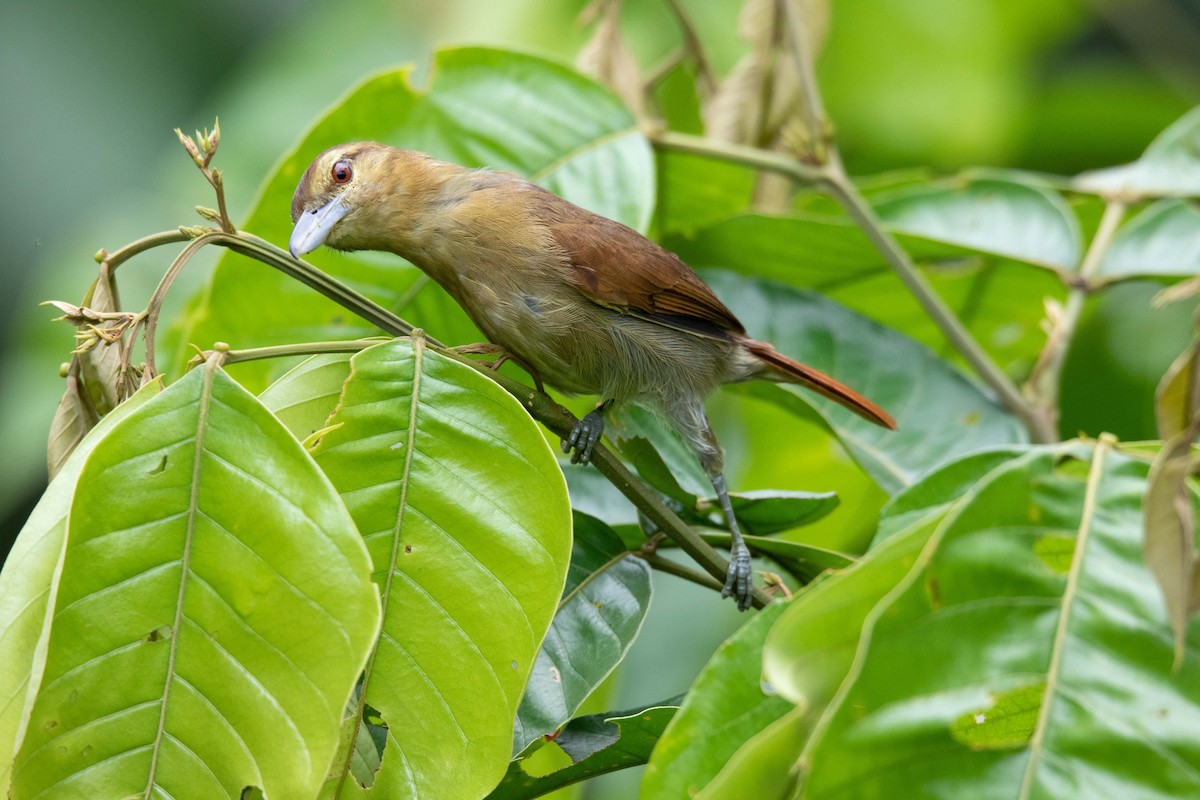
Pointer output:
x,y
142,245
1047,373
287,350
663,564
150,315
691,42
815,120
754,157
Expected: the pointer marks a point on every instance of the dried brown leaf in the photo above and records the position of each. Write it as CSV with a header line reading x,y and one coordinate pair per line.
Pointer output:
x,y
607,57
100,368
760,102
1175,400
1169,545
73,419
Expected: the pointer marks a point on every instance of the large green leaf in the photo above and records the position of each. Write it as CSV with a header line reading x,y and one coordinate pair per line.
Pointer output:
x,y
213,611
1045,655
695,191
931,497
1170,166
483,107
941,415
597,744
304,396
465,513
725,706
25,583
989,215
810,649
999,299
603,606
1161,241
765,766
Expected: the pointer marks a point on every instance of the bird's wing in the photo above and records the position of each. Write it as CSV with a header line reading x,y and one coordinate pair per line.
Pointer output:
x,y
617,267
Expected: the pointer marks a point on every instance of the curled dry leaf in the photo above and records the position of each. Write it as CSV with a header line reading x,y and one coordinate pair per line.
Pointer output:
x,y
759,102
98,378
1169,546
607,57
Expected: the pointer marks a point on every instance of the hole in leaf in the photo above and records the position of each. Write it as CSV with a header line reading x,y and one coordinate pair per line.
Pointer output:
x,y
159,634
369,743
160,468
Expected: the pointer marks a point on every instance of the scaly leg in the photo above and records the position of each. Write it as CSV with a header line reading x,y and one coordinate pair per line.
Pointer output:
x,y
586,433
739,582
692,423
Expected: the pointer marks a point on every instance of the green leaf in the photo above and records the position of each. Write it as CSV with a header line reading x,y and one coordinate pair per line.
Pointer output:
x,y
664,461
25,583
765,766
465,513
603,606
990,620
483,107
941,415
659,454
988,215
726,705
1008,721
931,497
213,611
592,494
810,649
829,254
1159,242
304,396
803,561
607,742
1170,166
768,511
694,191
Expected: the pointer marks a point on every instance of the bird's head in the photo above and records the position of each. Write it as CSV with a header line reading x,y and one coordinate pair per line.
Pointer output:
x,y
350,194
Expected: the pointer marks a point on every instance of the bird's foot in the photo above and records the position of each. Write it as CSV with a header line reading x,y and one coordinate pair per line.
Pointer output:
x,y
739,583
485,349
584,436
502,355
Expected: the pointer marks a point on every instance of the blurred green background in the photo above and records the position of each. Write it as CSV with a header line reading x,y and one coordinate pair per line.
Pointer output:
x,y
91,92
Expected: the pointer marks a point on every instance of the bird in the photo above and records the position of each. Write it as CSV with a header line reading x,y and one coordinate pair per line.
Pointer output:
x,y
581,301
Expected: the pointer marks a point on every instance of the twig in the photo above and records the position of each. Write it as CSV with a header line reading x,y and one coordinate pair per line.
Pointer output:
x,y
663,564
815,121
150,315
691,43
1047,373
754,157
287,350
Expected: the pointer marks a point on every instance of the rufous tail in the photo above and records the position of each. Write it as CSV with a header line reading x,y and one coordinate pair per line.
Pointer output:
x,y
790,371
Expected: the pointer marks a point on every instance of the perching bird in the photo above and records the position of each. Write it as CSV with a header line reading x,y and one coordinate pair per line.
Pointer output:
x,y
585,303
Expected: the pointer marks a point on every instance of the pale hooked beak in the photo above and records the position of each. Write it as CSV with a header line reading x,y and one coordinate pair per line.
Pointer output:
x,y
313,226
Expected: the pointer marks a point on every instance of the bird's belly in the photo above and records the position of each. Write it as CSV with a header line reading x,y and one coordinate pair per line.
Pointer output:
x,y
583,348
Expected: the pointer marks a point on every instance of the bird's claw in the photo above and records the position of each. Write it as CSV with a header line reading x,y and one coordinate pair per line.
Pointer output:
x,y
739,583
583,437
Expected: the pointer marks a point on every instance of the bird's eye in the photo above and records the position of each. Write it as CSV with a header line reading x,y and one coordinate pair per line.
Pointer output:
x,y
341,172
